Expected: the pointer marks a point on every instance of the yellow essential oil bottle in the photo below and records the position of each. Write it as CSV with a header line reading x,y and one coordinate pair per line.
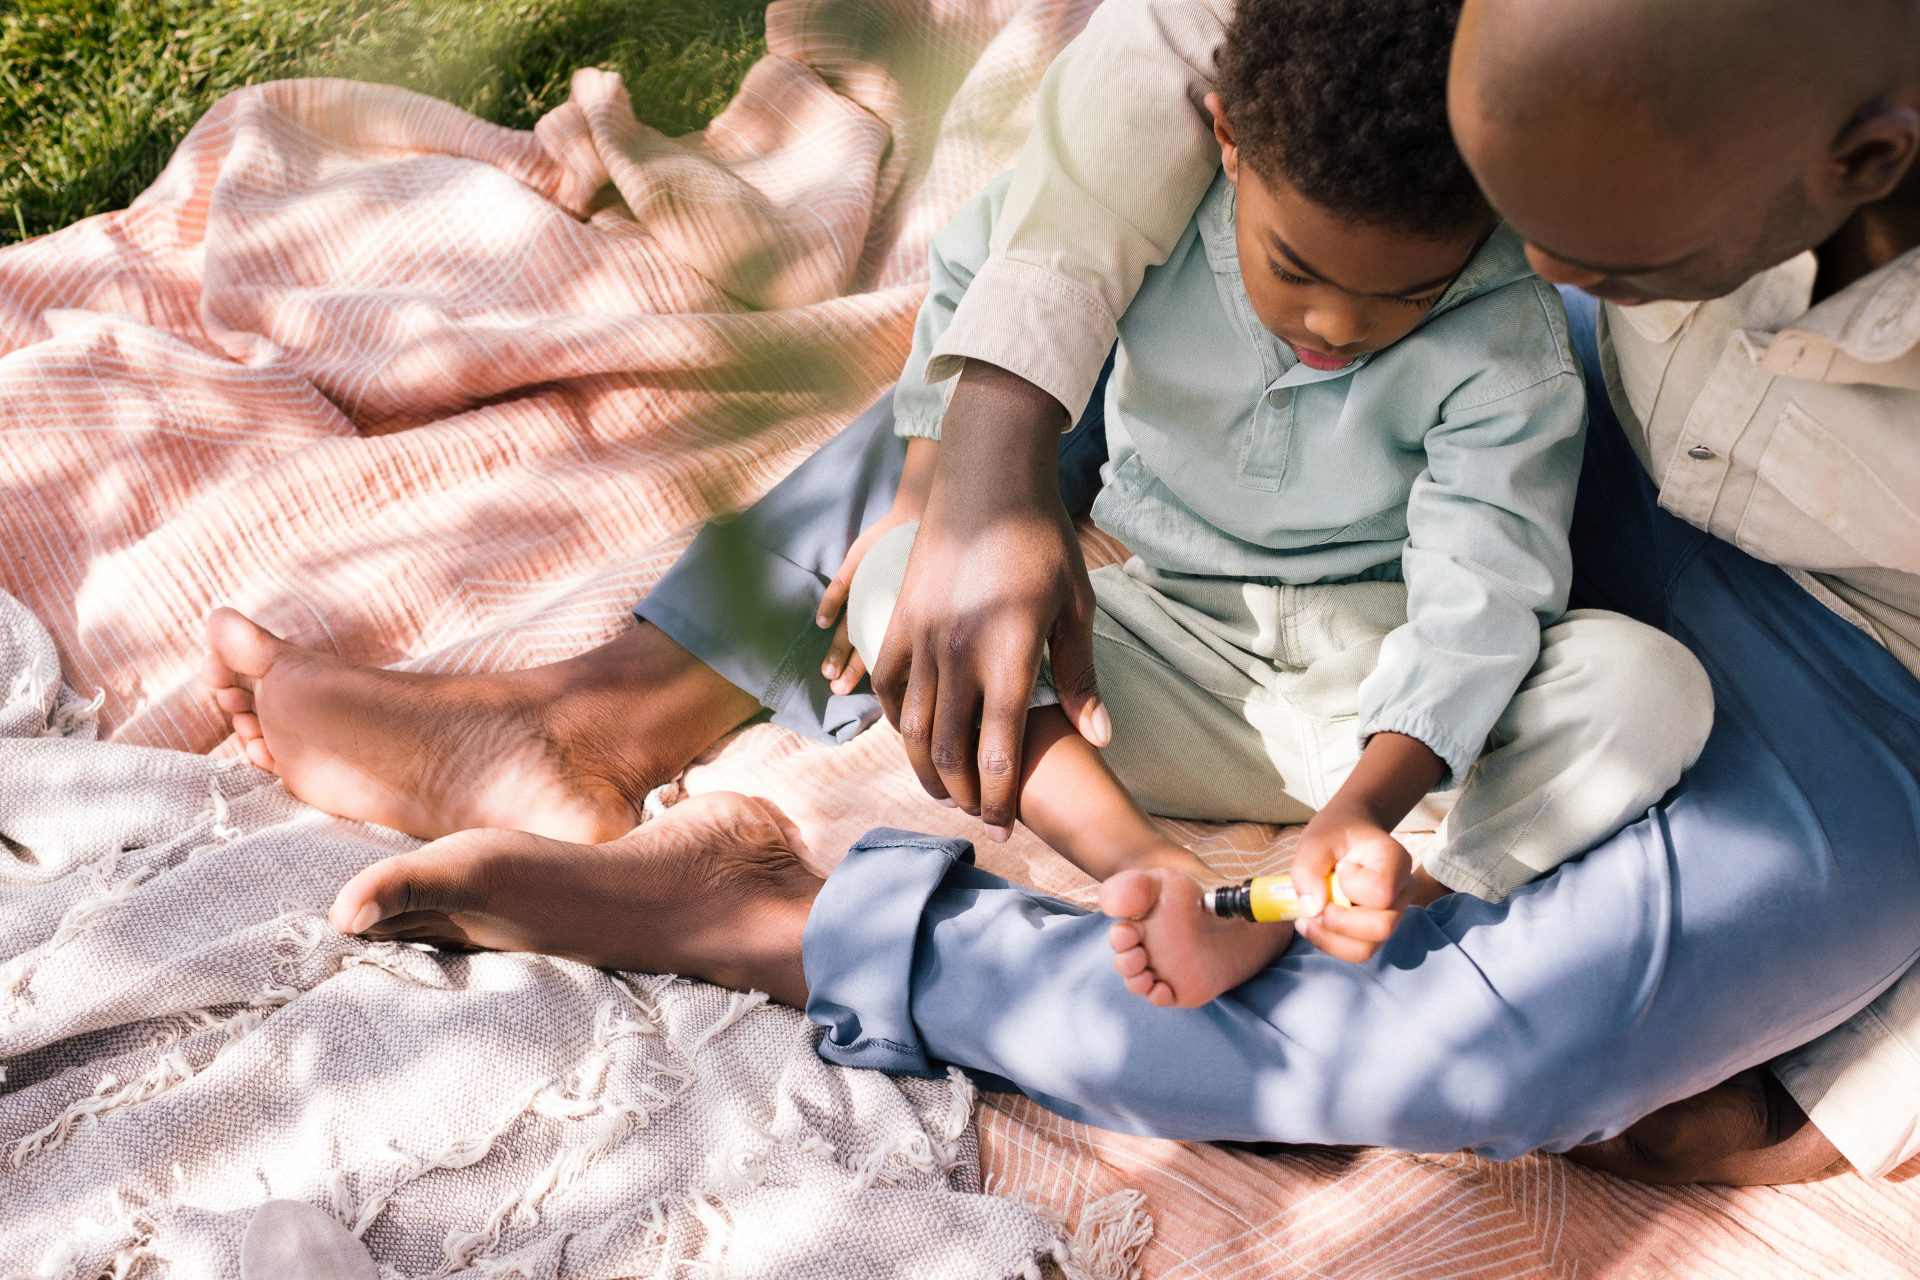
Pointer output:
x,y
1266,899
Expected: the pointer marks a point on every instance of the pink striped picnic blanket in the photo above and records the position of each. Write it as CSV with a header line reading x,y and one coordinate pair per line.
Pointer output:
x,y
430,393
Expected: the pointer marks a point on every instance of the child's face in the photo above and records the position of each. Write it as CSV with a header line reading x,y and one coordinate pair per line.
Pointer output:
x,y
1331,289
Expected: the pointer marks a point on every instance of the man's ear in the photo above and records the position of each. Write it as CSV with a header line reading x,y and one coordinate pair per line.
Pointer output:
x,y
1223,134
1873,153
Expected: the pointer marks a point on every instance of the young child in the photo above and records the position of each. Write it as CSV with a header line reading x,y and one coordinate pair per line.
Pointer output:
x,y
1345,428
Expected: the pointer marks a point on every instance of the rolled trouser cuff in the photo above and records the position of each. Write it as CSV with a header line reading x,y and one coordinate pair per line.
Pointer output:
x,y
859,946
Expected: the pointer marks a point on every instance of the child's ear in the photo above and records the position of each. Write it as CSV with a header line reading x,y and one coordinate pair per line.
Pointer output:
x,y
1223,134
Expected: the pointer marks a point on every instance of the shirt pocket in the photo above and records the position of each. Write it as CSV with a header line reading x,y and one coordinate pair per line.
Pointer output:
x,y
1818,505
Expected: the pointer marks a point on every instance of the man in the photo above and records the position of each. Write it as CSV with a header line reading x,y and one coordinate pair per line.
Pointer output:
x,y
1768,901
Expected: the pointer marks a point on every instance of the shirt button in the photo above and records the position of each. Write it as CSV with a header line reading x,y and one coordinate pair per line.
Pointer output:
x,y
1700,453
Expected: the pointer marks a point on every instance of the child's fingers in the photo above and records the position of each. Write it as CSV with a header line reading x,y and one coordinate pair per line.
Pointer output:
x,y
1337,945
1312,864
1369,886
1374,871
850,676
840,659
833,600
1362,924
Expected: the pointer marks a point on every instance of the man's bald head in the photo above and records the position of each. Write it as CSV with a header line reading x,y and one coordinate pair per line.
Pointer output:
x,y
1673,148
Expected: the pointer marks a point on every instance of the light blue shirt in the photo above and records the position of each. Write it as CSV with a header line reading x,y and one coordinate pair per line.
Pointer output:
x,y
1448,459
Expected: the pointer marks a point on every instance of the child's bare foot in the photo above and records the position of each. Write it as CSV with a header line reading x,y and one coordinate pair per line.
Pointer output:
x,y
710,889
427,755
1171,949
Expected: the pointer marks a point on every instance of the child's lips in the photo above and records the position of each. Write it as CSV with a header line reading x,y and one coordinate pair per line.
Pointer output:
x,y
1318,360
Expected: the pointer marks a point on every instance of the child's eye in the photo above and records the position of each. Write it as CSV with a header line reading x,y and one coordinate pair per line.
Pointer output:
x,y
1419,304
1285,276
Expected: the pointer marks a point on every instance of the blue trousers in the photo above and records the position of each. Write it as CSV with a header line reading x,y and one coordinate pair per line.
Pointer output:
x,y
1773,893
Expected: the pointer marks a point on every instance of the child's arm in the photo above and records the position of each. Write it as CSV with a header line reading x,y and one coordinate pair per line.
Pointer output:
x,y
1487,562
1354,832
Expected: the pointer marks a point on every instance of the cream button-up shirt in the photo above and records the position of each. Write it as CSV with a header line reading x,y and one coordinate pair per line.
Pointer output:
x,y
1790,430
1783,427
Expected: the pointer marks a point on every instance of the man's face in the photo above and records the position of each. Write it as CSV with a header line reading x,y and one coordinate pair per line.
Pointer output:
x,y
1629,215
1330,289
1624,208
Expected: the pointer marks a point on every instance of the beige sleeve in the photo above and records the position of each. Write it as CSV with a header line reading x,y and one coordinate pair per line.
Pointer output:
x,y
1120,154
1860,1083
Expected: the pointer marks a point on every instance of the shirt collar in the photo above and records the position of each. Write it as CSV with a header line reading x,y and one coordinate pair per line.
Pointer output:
x,y
1866,333
1859,334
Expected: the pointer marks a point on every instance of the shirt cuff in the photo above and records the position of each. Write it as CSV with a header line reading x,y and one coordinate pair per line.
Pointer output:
x,y
1860,1086
1033,323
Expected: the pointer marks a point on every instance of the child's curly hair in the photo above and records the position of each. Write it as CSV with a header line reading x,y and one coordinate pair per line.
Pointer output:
x,y
1347,101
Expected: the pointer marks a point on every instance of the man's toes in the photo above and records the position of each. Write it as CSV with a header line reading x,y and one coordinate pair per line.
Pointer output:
x,y
245,647
380,892
1130,895
437,877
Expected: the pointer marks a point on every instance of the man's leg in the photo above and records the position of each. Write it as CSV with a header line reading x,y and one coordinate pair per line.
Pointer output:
x,y
1746,1130
570,749
1770,896
1773,894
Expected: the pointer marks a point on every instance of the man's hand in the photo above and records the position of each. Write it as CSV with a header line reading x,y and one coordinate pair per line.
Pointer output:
x,y
1374,871
996,574
1744,1132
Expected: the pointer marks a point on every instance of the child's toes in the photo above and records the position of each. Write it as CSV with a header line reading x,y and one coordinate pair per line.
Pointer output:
x,y
233,700
1130,895
247,725
214,674
1129,962
1125,936
1161,995
261,757
1142,983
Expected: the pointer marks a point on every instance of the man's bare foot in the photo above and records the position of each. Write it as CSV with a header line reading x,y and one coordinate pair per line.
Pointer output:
x,y
711,889
1746,1131
567,751
1171,950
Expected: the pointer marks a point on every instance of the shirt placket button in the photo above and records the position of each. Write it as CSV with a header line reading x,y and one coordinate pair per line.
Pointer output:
x,y
1700,453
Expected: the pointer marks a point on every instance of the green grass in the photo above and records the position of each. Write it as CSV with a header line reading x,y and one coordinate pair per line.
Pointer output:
x,y
95,94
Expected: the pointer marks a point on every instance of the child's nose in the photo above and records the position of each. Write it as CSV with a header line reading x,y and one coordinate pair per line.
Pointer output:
x,y
1336,325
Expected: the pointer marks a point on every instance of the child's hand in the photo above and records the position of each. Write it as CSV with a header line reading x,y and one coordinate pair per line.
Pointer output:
x,y
843,666
1374,872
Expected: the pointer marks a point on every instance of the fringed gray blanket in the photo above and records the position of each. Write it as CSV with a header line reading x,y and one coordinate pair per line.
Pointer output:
x,y
184,1037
